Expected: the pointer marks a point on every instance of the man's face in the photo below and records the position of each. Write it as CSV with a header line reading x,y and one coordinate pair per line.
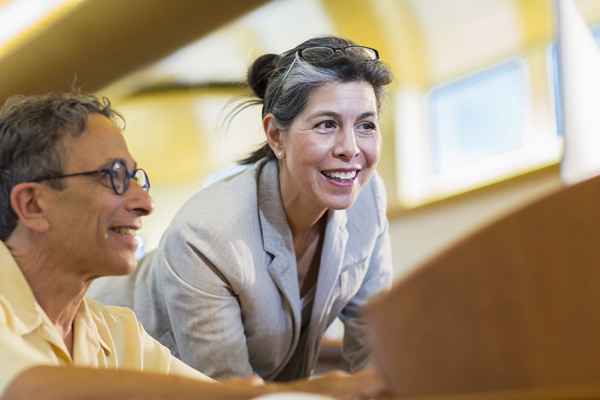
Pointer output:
x,y
91,226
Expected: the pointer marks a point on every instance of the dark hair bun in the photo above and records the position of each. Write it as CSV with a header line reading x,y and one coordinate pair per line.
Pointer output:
x,y
259,73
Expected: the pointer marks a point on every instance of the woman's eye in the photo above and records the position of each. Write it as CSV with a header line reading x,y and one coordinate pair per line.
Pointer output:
x,y
326,126
366,128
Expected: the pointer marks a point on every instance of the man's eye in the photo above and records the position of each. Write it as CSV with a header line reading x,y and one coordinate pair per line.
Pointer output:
x,y
105,176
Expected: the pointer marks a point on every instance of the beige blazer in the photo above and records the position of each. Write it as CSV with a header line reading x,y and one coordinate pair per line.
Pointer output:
x,y
221,291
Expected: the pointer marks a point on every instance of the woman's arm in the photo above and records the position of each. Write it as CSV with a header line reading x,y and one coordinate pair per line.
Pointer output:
x,y
355,348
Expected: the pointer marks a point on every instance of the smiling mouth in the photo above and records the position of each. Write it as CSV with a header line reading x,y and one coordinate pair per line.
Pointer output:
x,y
341,176
123,230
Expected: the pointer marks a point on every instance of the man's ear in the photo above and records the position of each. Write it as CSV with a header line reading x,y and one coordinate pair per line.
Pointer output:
x,y
274,136
28,202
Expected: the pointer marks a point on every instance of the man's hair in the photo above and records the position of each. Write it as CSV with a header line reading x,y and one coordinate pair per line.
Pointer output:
x,y
32,129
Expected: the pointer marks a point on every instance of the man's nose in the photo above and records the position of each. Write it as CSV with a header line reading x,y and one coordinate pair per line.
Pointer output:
x,y
139,200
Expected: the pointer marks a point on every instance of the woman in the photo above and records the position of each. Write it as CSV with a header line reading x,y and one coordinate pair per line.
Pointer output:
x,y
254,268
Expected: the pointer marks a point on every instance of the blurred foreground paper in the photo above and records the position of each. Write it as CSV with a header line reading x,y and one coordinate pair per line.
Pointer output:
x,y
579,68
293,396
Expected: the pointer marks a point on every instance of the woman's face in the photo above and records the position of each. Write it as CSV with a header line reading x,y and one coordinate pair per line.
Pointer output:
x,y
332,147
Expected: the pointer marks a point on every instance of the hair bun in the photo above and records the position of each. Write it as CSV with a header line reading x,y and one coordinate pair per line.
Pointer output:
x,y
259,73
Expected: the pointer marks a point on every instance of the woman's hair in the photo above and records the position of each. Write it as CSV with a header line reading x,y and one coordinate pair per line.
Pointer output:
x,y
283,83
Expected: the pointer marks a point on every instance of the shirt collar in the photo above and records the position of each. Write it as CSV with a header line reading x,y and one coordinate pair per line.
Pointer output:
x,y
27,314
95,325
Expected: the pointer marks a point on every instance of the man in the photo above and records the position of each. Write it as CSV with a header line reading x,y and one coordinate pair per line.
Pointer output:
x,y
71,200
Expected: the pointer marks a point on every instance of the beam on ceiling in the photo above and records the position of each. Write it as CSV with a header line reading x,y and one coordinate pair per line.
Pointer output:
x,y
101,41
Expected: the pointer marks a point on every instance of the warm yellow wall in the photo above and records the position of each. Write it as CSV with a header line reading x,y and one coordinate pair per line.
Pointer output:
x,y
179,137
422,233
180,150
165,138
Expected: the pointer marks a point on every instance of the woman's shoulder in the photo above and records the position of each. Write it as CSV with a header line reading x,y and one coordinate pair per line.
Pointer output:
x,y
219,226
220,220
223,202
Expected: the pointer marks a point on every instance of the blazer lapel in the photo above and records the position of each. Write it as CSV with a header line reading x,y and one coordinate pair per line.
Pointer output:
x,y
332,259
277,241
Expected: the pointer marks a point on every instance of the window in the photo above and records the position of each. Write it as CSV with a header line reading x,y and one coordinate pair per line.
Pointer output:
x,y
556,87
478,116
470,132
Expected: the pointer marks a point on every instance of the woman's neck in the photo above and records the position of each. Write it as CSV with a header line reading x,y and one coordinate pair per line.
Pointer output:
x,y
303,215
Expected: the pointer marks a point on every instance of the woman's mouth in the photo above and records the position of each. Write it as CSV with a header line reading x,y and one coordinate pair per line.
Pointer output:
x,y
341,177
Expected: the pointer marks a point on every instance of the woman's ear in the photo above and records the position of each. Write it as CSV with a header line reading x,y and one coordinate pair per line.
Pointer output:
x,y
274,136
28,202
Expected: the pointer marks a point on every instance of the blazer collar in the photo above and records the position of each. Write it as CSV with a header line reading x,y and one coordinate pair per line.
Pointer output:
x,y
277,240
277,236
276,233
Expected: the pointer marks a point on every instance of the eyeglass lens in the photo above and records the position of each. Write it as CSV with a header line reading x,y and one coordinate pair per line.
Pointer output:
x,y
120,177
140,177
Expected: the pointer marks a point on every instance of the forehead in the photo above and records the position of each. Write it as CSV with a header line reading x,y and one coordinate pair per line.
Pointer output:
x,y
101,141
343,97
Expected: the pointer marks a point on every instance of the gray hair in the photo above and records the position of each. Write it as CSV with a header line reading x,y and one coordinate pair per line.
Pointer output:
x,y
283,83
32,129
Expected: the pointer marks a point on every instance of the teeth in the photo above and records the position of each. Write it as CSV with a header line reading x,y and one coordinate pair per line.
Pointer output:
x,y
124,231
345,175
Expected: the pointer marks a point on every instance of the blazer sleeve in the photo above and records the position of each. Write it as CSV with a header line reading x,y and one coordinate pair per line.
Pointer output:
x,y
203,310
355,350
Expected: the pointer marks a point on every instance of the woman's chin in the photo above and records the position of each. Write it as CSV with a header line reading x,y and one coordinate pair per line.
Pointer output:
x,y
339,202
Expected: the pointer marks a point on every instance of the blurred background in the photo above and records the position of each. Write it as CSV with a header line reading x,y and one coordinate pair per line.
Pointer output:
x,y
471,123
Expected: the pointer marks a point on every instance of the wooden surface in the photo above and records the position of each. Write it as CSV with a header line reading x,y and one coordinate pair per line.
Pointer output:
x,y
514,306
557,393
100,41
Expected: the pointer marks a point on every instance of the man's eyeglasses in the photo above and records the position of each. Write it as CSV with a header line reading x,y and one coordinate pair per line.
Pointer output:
x,y
118,174
315,54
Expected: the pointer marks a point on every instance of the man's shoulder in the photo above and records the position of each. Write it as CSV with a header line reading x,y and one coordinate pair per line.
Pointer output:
x,y
3,321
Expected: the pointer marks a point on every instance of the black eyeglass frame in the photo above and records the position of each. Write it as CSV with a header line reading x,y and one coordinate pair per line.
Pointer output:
x,y
336,50
298,55
111,172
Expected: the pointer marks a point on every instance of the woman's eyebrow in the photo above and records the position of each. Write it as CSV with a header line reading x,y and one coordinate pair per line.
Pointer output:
x,y
334,114
325,113
366,115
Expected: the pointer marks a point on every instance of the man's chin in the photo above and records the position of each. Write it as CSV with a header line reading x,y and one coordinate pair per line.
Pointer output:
x,y
123,267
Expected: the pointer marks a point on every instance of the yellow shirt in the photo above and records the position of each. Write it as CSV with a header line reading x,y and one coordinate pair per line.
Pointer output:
x,y
104,336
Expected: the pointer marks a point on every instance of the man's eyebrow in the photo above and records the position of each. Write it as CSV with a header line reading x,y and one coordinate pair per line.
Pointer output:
x,y
110,161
